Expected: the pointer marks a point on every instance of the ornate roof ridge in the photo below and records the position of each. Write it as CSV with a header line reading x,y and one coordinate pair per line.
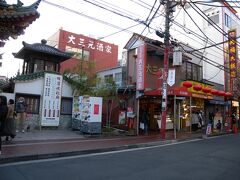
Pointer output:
x,y
32,76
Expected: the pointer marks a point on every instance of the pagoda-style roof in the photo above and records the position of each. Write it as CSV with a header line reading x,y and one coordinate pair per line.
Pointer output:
x,y
29,49
15,18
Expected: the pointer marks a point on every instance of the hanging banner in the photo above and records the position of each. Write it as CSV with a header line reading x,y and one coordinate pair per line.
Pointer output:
x,y
141,67
51,99
171,77
232,47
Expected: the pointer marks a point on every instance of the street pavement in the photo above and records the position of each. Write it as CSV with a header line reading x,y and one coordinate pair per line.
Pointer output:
x,y
42,144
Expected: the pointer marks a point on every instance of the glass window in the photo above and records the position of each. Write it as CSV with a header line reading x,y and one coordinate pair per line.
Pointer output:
x,y
189,71
118,77
183,71
49,66
215,19
228,21
108,77
32,102
38,66
66,106
195,72
79,53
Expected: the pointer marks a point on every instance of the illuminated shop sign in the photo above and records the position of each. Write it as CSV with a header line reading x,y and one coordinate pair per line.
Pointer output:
x,y
232,47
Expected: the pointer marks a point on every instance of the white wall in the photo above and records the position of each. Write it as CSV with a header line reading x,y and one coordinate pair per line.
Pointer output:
x,y
215,55
8,95
66,90
112,71
30,87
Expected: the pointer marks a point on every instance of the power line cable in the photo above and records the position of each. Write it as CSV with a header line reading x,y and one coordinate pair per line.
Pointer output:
x,y
84,15
76,13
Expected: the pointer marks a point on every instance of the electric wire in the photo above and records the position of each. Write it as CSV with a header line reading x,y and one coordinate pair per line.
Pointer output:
x,y
134,20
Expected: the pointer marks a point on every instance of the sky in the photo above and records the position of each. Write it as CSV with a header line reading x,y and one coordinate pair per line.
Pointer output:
x,y
82,17
73,18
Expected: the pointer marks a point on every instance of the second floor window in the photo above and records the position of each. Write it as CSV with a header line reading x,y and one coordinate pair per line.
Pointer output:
x,y
213,20
191,71
228,21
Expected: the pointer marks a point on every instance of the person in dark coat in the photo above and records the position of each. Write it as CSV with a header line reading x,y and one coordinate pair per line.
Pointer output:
x,y
145,119
3,118
10,122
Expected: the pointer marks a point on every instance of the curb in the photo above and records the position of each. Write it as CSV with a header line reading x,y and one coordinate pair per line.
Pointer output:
x,y
81,152
98,150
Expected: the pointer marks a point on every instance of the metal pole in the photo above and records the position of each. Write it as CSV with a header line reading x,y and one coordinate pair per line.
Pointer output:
x,y
190,118
137,118
175,118
165,71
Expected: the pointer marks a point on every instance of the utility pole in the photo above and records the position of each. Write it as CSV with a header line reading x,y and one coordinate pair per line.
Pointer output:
x,y
168,11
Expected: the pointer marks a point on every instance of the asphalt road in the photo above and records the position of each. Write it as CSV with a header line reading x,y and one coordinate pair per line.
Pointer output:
x,y
216,158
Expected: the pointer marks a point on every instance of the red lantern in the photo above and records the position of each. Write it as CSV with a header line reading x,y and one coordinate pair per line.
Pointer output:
x,y
187,84
221,93
206,90
197,87
214,92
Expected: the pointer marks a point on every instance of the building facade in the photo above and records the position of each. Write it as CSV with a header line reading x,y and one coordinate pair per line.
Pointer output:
x,y
85,49
188,93
208,30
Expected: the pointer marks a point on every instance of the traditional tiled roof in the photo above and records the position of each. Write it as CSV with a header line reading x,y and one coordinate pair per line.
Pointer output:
x,y
16,18
33,76
29,49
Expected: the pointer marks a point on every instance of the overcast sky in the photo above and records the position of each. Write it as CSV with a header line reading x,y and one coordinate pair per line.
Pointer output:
x,y
73,18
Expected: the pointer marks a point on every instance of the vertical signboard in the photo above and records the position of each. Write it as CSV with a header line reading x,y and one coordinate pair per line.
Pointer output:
x,y
232,46
171,77
51,99
141,67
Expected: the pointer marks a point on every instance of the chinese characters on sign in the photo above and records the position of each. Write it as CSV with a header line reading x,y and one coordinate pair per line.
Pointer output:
x,y
171,77
89,44
232,46
51,100
140,67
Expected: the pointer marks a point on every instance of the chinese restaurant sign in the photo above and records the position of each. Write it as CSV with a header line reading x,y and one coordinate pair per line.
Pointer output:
x,y
51,100
87,43
141,67
232,53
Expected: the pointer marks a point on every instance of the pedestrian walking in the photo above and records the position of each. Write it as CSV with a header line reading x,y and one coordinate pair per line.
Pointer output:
x,y
145,119
21,108
234,123
219,126
10,122
3,118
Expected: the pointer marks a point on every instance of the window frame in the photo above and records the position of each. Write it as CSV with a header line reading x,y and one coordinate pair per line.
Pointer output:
x,y
61,110
28,98
191,71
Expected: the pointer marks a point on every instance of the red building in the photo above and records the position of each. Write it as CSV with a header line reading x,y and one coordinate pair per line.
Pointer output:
x,y
105,55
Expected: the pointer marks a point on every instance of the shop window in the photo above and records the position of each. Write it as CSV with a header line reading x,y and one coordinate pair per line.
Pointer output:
x,y
66,106
32,101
